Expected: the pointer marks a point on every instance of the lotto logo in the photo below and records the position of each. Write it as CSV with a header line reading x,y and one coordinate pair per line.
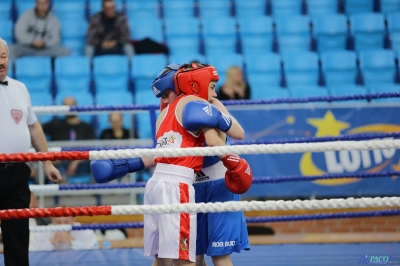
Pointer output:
x,y
215,73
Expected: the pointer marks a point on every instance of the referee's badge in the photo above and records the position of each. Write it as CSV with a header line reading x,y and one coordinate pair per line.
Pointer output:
x,y
16,115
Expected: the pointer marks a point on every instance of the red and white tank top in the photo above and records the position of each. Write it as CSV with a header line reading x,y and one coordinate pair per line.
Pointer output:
x,y
171,134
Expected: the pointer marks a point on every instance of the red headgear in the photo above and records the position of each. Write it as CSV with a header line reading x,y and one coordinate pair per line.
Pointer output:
x,y
195,81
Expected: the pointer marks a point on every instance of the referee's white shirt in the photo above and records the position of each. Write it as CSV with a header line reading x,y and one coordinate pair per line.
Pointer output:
x,y
15,115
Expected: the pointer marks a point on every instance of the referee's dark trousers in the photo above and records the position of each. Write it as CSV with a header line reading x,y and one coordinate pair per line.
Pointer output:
x,y
15,194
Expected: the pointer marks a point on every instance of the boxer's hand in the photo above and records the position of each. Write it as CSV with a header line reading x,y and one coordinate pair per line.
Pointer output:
x,y
238,177
108,170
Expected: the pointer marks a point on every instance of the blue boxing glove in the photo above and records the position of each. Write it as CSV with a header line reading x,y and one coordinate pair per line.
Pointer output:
x,y
107,170
198,114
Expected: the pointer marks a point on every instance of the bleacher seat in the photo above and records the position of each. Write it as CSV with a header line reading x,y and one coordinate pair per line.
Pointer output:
x,y
393,25
145,67
11,71
142,9
83,98
385,88
213,9
293,34
347,90
73,35
301,69
178,8
187,58
22,6
94,6
146,27
222,62
69,10
182,35
389,6
113,98
330,32
219,35
42,98
5,11
324,7
6,31
142,120
35,72
111,73
368,30
286,7
308,91
260,91
72,73
339,67
246,8
377,66
265,68
358,6
256,34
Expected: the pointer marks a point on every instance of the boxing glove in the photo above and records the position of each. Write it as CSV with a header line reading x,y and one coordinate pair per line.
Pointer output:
x,y
238,176
107,170
198,114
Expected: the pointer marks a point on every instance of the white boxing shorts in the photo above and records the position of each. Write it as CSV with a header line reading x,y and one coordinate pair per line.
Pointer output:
x,y
170,235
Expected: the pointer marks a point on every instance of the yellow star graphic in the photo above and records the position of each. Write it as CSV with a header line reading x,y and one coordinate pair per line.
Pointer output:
x,y
328,126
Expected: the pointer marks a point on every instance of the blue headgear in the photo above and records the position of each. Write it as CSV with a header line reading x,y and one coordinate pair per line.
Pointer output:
x,y
165,80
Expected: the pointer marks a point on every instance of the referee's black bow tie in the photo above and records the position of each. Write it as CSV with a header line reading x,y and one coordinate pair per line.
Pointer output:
x,y
4,83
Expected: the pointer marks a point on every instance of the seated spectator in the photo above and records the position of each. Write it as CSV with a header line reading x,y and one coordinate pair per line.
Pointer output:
x,y
108,32
70,128
70,240
117,131
37,32
235,87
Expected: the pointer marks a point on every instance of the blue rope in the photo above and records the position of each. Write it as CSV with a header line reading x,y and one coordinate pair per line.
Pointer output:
x,y
101,186
284,218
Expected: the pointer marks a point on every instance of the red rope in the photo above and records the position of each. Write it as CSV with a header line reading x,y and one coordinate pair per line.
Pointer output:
x,y
54,212
44,156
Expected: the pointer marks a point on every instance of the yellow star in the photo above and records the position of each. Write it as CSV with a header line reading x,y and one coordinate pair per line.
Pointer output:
x,y
327,126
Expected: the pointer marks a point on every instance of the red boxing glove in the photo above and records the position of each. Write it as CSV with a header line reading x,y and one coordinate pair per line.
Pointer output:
x,y
238,177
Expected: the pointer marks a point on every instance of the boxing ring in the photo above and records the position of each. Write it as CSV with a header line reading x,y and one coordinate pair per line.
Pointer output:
x,y
271,254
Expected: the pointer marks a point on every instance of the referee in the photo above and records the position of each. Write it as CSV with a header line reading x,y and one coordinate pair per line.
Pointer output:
x,y
19,129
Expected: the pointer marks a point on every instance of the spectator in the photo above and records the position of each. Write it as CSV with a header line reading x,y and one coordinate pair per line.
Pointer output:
x,y
66,240
38,33
108,32
70,128
117,131
235,87
37,221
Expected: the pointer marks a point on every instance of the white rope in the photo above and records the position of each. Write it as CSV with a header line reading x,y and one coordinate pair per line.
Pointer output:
x,y
258,206
43,188
51,228
248,149
39,110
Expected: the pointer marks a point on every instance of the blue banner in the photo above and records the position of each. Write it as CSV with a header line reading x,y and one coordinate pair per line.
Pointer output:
x,y
269,124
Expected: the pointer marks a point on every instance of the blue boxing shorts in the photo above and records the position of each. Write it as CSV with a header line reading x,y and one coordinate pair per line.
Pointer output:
x,y
218,233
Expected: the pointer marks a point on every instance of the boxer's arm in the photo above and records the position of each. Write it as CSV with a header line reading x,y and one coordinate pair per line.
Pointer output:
x,y
236,131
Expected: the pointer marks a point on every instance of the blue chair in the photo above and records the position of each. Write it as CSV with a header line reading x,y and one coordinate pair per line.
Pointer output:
x,y
113,98
145,67
286,7
245,8
268,73
187,58
83,98
142,9
182,35
318,7
219,35
347,90
293,34
5,11
222,62
111,73
330,32
178,8
259,91
186,45
73,35
72,73
6,31
42,98
308,91
382,88
35,72
256,34
94,6
368,30
11,71
23,5
358,6
389,6
393,25
377,66
142,120
301,69
69,10
214,9
146,27
339,67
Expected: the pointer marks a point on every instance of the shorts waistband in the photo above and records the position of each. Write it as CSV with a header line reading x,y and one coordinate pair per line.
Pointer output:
x,y
211,173
174,173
